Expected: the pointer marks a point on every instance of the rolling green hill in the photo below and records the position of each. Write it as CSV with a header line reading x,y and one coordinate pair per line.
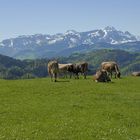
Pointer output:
x,y
127,61
15,69
39,109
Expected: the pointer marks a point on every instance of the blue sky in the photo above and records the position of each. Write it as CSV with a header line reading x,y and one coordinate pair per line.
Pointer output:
x,y
25,17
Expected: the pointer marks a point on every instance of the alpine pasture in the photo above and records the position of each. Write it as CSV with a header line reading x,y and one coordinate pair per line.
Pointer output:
x,y
70,109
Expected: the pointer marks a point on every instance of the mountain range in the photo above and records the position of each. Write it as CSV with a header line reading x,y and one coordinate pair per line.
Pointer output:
x,y
64,44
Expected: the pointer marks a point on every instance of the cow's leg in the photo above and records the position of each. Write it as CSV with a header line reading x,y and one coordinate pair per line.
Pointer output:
x,y
66,75
55,77
51,77
84,75
108,74
50,74
115,75
70,75
111,74
76,76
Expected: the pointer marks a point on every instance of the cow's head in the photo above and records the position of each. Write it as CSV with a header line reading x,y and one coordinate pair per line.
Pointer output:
x,y
118,74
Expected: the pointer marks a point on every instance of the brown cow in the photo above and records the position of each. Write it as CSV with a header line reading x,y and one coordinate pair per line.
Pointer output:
x,y
101,76
111,67
53,70
136,73
65,69
82,68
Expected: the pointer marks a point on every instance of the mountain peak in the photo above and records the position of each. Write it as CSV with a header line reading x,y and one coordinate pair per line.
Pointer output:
x,y
71,32
126,32
110,28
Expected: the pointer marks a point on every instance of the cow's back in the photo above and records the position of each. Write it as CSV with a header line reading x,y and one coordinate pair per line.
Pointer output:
x,y
136,73
109,66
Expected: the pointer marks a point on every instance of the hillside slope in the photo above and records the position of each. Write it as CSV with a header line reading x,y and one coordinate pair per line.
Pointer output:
x,y
13,69
127,61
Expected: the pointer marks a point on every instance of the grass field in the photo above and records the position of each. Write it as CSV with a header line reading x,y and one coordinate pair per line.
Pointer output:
x,y
81,109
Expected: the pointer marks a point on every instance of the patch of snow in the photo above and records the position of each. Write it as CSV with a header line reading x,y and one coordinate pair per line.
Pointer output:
x,y
73,40
71,46
88,41
51,42
126,41
72,32
59,38
114,41
48,38
38,42
94,34
11,43
25,43
1,44
121,42
105,33
56,39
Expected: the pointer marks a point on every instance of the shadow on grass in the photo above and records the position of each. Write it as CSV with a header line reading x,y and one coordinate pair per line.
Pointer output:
x,y
112,82
63,81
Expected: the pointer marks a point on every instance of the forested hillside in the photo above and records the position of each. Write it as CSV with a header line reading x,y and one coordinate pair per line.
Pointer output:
x,y
15,69
127,61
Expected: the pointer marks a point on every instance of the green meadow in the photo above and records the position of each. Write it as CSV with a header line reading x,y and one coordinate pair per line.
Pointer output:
x,y
70,109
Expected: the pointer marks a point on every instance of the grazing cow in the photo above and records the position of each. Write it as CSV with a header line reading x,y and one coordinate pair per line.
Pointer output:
x,y
111,67
136,73
53,69
101,76
65,69
80,68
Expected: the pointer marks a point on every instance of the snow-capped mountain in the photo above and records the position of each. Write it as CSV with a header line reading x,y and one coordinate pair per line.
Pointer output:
x,y
61,41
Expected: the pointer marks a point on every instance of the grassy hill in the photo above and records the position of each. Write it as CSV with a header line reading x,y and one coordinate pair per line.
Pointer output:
x,y
128,62
70,109
17,69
